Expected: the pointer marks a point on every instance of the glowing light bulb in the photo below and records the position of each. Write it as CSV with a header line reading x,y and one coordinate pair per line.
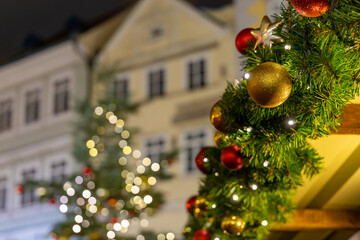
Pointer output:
x,y
247,75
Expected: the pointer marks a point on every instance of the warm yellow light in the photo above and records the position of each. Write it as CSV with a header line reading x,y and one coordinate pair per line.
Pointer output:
x,y
122,161
90,144
120,123
109,114
93,152
146,161
113,119
152,180
125,134
99,110
127,150
136,154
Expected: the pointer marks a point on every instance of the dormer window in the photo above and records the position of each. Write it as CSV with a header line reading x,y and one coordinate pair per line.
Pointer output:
x,y
156,32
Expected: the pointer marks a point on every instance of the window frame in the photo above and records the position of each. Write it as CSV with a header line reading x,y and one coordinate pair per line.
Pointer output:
x,y
186,73
28,105
184,159
155,68
122,77
155,137
10,118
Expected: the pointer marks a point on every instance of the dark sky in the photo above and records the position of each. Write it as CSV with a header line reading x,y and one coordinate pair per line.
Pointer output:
x,y
48,18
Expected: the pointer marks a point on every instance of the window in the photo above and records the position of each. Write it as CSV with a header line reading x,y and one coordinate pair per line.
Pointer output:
x,y
156,83
61,98
3,192
5,115
58,171
121,89
196,74
156,32
154,148
193,142
32,109
28,197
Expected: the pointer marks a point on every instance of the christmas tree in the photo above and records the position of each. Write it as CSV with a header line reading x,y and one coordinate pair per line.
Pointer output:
x,y
301,70
114,189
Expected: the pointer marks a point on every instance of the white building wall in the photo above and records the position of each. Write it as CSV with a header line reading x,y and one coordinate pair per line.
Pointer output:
x,y
37,144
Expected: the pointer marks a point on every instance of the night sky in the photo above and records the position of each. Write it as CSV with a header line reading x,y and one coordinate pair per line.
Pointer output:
x,y
47,19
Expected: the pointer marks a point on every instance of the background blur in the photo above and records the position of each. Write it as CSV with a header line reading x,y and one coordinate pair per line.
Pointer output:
x,y
173,56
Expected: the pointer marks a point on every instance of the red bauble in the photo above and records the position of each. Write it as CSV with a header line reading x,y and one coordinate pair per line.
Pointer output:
x,y
190,204
201,234
113,220
87,170
52,201
242,40
19,189
231,158
199,160
311,8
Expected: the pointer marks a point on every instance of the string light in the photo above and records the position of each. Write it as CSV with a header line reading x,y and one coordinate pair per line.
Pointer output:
x,y
70,191
111,234
148,199
247,76
76,228
117,226
235,197
99,110
125,223
287,47
161,236
155,167
266,163
79,180
264,223
78,219
63,208
253,186
64,199
90,144
86,193
170,236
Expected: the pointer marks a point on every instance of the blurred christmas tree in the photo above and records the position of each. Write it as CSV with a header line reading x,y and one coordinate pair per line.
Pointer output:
x,y
300,73
114,189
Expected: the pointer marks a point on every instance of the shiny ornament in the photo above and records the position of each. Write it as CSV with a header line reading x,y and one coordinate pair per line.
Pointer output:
x,y
231,158
269,84
201,203
219,138
87,170
243,39
201,159
232,224
202,234
264,34
311,8
217,117
190,204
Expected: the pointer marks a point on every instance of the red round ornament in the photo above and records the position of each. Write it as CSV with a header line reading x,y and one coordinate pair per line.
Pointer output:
x,y
202,234
242,40
19,189
311,8
87,170
200,159
231,158
52,201
190,204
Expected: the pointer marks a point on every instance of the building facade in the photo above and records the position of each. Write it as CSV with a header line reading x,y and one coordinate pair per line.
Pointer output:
x,y
37,99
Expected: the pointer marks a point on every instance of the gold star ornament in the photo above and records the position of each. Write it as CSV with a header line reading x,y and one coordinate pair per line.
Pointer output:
x,y
264,34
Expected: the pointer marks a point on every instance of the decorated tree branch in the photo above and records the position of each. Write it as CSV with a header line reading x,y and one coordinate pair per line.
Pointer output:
x,y
300,71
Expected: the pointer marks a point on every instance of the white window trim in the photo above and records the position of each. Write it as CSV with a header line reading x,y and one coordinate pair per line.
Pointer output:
x,y
127,76
155,67
196,57
209,141
32,87
145,139
35,163
52,117
5,95
56,158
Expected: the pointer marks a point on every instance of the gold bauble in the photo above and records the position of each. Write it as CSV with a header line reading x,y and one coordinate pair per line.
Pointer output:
x,y
269,84
232,224
217,117
219,138
201,203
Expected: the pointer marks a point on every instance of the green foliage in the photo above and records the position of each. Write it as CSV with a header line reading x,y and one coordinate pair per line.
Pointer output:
x,y
324,64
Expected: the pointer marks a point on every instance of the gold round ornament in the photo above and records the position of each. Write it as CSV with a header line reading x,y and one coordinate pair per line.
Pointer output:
x,y
269,85
232,224
201,203
219,138
217,117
